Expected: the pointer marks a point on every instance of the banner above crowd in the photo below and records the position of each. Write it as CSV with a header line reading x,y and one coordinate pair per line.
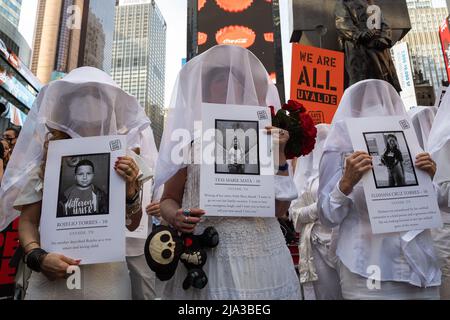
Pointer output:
x,y
317,80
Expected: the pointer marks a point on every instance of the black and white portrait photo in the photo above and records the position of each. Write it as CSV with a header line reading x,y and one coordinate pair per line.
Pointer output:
x,y
392,162
237,147
84,185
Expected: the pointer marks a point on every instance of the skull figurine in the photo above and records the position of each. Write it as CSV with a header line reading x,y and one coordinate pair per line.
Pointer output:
x,y
162,251
162,248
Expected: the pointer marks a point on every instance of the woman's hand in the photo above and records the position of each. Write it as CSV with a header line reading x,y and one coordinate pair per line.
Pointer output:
x,y
280,140
280,136
425,163
54,266
153,210
186,223
127,168
356,166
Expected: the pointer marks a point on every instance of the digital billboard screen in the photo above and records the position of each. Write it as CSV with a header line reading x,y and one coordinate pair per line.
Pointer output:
x,y
246,23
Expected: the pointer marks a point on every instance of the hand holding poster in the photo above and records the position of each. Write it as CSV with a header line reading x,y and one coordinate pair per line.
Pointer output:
x,y
142,231
83,208
399,196
236,177
317,80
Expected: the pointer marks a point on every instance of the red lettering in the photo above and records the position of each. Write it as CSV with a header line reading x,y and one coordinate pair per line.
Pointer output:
x,y
11,244
15,225
7,274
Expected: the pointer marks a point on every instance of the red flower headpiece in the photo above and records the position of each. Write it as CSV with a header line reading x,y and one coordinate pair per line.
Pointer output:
x,y
294,118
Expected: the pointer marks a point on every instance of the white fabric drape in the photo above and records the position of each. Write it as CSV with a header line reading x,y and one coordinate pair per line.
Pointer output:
x,y
402,257
244,82
85,103
422,119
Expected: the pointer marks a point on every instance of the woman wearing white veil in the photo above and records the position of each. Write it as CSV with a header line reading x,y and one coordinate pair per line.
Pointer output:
x,y
85,103
422,119
317,267
439,148
405,264
252,260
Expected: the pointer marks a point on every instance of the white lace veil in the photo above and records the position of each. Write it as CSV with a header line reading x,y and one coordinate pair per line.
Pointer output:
x,y
368,98
439,141
440,132
308,167
422,119
85,103
244,81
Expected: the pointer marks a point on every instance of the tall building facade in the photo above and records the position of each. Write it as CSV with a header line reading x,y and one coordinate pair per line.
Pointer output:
x,y
139,55
424,42
10,9
70,34
9,33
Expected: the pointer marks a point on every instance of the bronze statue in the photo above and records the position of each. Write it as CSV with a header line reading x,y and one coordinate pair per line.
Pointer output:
x,y
366,39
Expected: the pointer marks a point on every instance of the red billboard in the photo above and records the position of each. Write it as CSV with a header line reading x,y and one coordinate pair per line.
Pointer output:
x,y
444,35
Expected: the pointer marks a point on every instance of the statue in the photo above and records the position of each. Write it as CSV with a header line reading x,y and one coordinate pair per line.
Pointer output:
x,y
366,39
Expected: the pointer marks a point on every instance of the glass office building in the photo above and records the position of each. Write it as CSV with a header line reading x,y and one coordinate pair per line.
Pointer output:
x,y
71,34
139,53
10,9
423,40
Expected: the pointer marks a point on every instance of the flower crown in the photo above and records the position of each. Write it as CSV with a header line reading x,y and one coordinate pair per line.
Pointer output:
x,y
294,118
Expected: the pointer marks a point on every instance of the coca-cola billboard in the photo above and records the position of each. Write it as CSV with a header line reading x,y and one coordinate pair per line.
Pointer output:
x,y
251,24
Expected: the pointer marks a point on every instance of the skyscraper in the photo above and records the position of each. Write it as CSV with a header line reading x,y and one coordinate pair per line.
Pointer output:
x,y
9,33
71,34
10,9
139,53
424,42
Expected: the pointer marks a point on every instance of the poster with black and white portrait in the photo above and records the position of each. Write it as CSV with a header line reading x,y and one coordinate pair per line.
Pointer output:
x,y
399,196
84,185
83,207
237,147
237,173
393,165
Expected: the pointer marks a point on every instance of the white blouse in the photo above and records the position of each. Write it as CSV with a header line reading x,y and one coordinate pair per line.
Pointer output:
x,y
400,256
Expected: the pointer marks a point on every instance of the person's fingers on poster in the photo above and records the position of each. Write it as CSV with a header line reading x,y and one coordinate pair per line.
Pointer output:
x,y
153,209
426,163
280,136
129,170
187,219
55,265
356,165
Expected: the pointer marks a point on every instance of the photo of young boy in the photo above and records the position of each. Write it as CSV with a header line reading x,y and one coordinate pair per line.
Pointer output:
x,y
83,196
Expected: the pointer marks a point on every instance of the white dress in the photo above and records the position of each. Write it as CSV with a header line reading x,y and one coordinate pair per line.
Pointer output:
x,y
108,281
251,262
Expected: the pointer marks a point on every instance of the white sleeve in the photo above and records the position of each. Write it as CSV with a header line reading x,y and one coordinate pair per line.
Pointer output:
x,y
300,213
285,189
443,194
333,205
442,179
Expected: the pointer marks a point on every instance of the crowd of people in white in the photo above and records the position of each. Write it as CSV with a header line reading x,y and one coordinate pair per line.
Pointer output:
x,y
329,210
